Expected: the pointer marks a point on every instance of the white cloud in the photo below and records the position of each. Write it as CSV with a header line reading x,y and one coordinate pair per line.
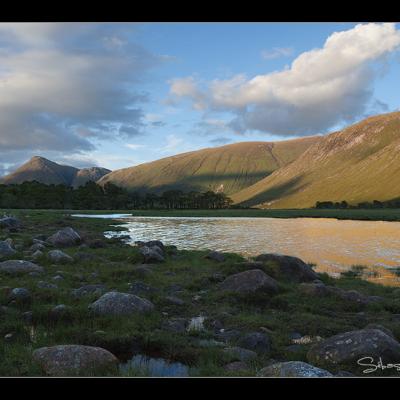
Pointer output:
x,y
321,88
276,52
173,142
134,146
65,85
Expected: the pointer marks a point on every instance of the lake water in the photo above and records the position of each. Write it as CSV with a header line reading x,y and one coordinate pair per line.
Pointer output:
x,y
333,245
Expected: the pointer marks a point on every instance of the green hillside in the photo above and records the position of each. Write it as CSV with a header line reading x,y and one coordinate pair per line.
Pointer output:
x,y
228,168
359,163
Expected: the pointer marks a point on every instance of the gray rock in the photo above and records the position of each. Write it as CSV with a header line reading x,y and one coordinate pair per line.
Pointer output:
x,y
236,366
117,303
249,282
9,337
19,267
46,285
88,290
152,254
240,354
140,288
59,312
69,360
347,348
178,325
9,222
208,343
36,247
143,270
256,341
175,300
291,268
65,238
81,256
59,257
57,278
382,328
37,254
20,295
215,256
6,250
228,335
293,369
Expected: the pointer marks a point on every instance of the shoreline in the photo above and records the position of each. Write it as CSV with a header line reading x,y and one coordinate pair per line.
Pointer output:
x,y
386,215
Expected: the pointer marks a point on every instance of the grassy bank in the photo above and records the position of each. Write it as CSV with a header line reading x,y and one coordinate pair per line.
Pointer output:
x,y
385,214
187,275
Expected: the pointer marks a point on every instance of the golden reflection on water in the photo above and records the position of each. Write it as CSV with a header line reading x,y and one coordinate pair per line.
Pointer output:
x,y
333,245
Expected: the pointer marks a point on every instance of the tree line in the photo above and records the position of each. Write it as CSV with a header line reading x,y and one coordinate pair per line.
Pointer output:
x,y
363,205
36,195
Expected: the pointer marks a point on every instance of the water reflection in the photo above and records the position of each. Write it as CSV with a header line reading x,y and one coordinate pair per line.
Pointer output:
x,y
155,367
333,245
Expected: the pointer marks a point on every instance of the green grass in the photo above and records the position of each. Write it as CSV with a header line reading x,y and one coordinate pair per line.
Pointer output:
x,y
289,311
384,214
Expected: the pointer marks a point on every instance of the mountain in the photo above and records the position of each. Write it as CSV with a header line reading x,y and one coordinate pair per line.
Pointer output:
x,y
359,163
48,172
227,168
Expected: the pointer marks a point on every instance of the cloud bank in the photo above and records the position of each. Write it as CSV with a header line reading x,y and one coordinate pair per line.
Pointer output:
x,y
66,85
322,87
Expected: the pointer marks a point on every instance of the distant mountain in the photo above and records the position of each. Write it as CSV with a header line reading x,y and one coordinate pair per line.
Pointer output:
x,y
357,164
227,168
48,172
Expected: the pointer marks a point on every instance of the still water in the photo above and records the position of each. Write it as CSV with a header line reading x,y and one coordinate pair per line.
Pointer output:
x,y
333,245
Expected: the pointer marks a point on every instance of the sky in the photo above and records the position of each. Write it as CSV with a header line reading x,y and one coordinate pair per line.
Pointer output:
x,y
120,94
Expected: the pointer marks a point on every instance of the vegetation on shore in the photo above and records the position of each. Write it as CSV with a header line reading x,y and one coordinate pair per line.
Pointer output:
x,y
188,275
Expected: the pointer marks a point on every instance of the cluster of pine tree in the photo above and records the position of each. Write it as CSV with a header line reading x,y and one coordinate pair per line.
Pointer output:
x,y
35,195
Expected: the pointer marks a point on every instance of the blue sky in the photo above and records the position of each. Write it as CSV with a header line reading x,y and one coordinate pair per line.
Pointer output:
x,y
117,95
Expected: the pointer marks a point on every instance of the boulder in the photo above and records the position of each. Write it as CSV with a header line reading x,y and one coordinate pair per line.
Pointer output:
x,y
152,254
37,254
65,238
20,295
250,281
59,257
36,247
174,300
236,366
347,348
117,303
293,369
70,360
46,285
290,268
256,341
240,354
9,222
6,250
139,288
88,289
19,267
215,256
382,328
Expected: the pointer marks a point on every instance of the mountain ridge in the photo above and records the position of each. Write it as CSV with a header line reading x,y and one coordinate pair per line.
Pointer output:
x,y
42,170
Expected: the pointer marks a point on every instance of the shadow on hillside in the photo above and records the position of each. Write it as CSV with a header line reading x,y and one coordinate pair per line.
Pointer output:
x,y
276,192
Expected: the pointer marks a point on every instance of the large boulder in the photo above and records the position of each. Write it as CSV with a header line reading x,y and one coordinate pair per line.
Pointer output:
x,y
320,290
117,303
153,254
347,348
290,268
256,341
65,238
215,256
19,267
59,257
6,250
9,222
293,369
20,295
71,360
240,354
251,281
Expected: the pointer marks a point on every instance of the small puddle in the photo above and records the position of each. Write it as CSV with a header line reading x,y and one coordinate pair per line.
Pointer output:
x,y
155,367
